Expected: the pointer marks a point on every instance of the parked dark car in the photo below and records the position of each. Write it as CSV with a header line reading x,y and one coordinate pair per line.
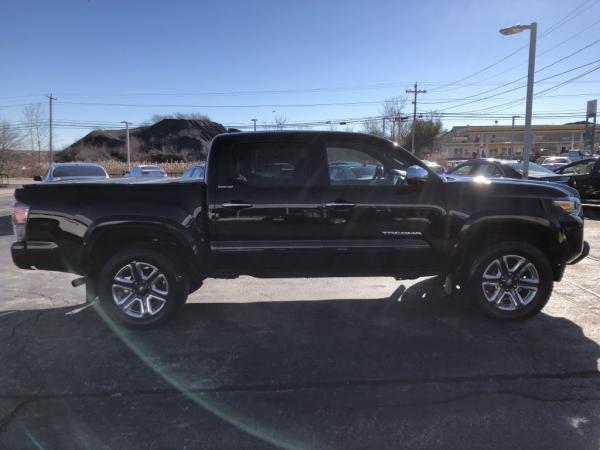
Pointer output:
x,y
585,177
195,171
505,168
72,171
146,171
141,248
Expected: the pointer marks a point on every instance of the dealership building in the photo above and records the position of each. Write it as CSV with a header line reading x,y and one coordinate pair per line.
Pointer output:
x,y
507,142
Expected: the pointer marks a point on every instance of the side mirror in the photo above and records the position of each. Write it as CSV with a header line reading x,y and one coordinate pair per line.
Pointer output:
x,y
416,175
37,178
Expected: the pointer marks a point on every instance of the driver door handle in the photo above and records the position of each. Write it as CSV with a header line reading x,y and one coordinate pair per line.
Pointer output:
x,y
340,205
237,205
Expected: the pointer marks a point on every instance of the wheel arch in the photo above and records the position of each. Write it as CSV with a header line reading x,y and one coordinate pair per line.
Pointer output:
x,y
106,239
540,233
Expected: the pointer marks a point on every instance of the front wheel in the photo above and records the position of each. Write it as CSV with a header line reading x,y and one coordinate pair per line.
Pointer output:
x,y
141,287
510,281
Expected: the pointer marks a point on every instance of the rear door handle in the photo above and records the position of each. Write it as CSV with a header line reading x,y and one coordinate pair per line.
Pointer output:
x,y
237,205
340,205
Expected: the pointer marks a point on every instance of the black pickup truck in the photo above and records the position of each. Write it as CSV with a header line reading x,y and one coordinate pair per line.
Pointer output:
x,y
301,204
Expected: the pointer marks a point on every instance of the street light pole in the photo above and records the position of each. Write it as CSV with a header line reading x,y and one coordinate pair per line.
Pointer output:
x,y
127,143
532,27
254,120
512,138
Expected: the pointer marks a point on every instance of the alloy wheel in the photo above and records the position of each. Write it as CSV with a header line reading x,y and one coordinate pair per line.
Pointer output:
x,y
140,290
510,282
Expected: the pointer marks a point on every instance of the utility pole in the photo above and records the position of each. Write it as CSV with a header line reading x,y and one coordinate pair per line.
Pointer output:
x,y
50,98
127,143
254,120
415,91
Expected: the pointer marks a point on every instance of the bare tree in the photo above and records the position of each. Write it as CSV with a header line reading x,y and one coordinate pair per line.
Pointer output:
x,y
10,139
391,124
180,115
37,127
280,122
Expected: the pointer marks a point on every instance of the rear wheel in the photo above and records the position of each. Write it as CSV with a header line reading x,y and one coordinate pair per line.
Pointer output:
x,y
141,288
511,281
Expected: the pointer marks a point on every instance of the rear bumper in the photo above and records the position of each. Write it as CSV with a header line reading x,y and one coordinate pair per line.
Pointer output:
x,y
38,255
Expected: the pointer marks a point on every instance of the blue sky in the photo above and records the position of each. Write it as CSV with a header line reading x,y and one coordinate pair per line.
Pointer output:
x,y
229,53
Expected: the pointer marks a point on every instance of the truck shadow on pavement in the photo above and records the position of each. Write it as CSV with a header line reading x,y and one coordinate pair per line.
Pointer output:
x,y
6,225
413,367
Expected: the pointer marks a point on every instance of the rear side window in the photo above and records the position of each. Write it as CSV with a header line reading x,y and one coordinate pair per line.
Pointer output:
x,y
271,164
78,171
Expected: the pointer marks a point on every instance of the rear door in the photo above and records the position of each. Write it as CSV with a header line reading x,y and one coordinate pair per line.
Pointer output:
x,y
266,215
374,222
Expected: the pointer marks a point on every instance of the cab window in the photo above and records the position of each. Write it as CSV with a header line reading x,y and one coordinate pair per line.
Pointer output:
x,y
271,164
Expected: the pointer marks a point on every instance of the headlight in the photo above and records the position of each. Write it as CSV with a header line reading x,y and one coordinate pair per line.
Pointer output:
x,y
569,205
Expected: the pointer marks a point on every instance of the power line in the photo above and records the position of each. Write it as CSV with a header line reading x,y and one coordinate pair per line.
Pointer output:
x,y
501,60
553,48
520,87
525,76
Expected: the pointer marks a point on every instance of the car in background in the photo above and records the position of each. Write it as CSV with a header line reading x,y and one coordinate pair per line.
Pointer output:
x,y
576,154
435,167
585,177
504,168
555,162
195,171
72,171
344,171
146,171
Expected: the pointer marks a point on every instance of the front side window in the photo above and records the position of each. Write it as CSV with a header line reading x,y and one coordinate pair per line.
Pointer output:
x,y
352,166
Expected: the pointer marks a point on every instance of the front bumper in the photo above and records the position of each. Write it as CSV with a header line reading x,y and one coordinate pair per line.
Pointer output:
x,y
584,253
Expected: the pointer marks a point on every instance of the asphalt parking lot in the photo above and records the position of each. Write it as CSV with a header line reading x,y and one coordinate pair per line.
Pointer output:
x,y
328,363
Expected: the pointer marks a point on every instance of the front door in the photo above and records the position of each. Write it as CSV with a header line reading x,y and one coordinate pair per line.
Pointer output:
x,y
374,222
267,213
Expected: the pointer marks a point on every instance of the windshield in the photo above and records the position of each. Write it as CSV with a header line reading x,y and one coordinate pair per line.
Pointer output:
x,y
534,169
78,171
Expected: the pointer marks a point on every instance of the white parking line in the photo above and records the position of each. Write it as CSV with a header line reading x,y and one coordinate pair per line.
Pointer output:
x,y
581,287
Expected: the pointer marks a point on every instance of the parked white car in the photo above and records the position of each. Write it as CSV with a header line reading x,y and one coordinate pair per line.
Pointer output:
x,y
555,162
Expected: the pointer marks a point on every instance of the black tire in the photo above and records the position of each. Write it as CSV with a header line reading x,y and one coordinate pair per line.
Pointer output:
x,y
518,296
156,298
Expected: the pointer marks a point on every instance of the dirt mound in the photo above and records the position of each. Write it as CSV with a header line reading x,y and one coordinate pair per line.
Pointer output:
x,y
166,140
